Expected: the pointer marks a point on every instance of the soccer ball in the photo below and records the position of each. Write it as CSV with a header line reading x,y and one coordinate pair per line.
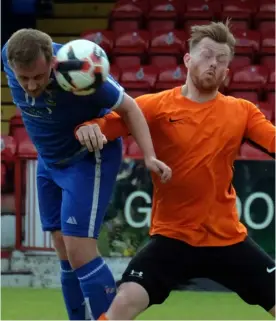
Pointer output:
x,y
81,67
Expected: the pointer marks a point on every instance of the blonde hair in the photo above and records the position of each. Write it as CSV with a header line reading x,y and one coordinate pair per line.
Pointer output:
x,y
26,45
218,31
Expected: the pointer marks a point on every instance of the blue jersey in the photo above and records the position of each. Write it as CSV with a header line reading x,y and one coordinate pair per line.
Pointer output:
x,y
50,119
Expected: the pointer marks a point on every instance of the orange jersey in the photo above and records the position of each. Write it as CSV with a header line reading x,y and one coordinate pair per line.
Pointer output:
x,y
200,142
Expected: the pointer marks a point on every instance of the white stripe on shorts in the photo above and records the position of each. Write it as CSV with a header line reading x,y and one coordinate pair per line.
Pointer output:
x,y
96,194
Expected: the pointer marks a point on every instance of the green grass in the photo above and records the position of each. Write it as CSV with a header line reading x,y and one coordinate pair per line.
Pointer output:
x,y
47,304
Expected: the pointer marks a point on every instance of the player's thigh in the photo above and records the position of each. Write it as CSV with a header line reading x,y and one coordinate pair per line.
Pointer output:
x,y
160,266
49,199
87,189
246,269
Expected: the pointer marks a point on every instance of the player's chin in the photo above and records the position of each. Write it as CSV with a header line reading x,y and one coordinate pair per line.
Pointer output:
x,y
35,94
209,86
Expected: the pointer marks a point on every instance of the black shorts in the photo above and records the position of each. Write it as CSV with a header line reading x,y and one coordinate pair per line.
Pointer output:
x,y
165,263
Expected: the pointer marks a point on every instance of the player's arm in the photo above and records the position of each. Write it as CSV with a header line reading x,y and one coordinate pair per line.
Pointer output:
x,y
137,125
111,126
133,122
259,131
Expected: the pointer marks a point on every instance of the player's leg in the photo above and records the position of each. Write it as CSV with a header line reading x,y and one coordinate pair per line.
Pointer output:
x,y
49,196
87,189
246,269
150,276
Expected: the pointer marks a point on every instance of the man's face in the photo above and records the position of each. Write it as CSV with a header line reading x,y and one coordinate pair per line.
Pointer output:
x,y
208,64
35,77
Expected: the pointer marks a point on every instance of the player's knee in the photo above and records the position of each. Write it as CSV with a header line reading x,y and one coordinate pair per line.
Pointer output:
x,y
80,250
59,245
131,300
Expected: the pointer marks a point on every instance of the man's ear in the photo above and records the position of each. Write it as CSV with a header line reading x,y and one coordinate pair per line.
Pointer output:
x,y
54,62
10,64
186,59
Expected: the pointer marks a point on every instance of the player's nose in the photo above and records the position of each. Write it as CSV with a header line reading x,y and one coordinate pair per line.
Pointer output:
x,y
32,85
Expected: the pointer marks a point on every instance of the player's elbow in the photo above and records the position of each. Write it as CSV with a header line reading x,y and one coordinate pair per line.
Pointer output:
x,y
128,106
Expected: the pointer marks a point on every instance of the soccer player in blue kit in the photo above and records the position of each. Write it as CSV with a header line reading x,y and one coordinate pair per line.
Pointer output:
x,y
74,184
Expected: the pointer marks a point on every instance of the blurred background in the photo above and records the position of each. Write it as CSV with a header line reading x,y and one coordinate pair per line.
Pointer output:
x,y
145,41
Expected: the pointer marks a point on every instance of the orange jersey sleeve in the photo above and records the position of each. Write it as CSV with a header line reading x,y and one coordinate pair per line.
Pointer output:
x,y
113,126
259,130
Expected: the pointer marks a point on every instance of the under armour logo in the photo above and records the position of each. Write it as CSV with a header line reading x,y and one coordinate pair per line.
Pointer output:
x,y
137,274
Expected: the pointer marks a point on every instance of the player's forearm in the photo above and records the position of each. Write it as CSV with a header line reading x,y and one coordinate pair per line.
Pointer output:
x,y
111,125
138,128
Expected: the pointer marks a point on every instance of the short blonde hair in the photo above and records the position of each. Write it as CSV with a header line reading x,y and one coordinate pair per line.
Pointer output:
x,y
218,31
26,45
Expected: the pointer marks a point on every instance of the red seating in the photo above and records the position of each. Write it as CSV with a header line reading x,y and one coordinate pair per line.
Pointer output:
x,y
266,10
8,149
3,176
136,93
16,121
103,38
238,9
128,10
139,78
168,43
248,95
164,9
202,9
189,23
115,72
25,146
271,81
268,62
250,152
133,149
127,61
139,3
239,25
121,26
251,77
265,26
171,77
268,42
267,109
161,61
154,25
271,98
247,42
240,62
131,43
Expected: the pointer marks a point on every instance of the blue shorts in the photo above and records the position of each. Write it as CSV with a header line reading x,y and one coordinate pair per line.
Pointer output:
x,y
74,199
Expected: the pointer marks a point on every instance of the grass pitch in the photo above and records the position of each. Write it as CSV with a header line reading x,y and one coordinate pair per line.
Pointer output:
x,y
47,304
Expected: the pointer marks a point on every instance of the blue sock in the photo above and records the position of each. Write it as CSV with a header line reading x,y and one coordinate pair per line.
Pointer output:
x,y
98,286
72,292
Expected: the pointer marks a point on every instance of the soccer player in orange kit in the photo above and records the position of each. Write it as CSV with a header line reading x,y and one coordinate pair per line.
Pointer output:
x,y
195,229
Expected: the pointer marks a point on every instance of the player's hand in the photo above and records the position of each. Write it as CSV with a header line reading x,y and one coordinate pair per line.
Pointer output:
x,y
160,168
91,137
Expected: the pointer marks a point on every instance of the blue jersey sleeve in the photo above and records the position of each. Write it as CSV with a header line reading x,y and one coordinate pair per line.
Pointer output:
x,y
110,94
